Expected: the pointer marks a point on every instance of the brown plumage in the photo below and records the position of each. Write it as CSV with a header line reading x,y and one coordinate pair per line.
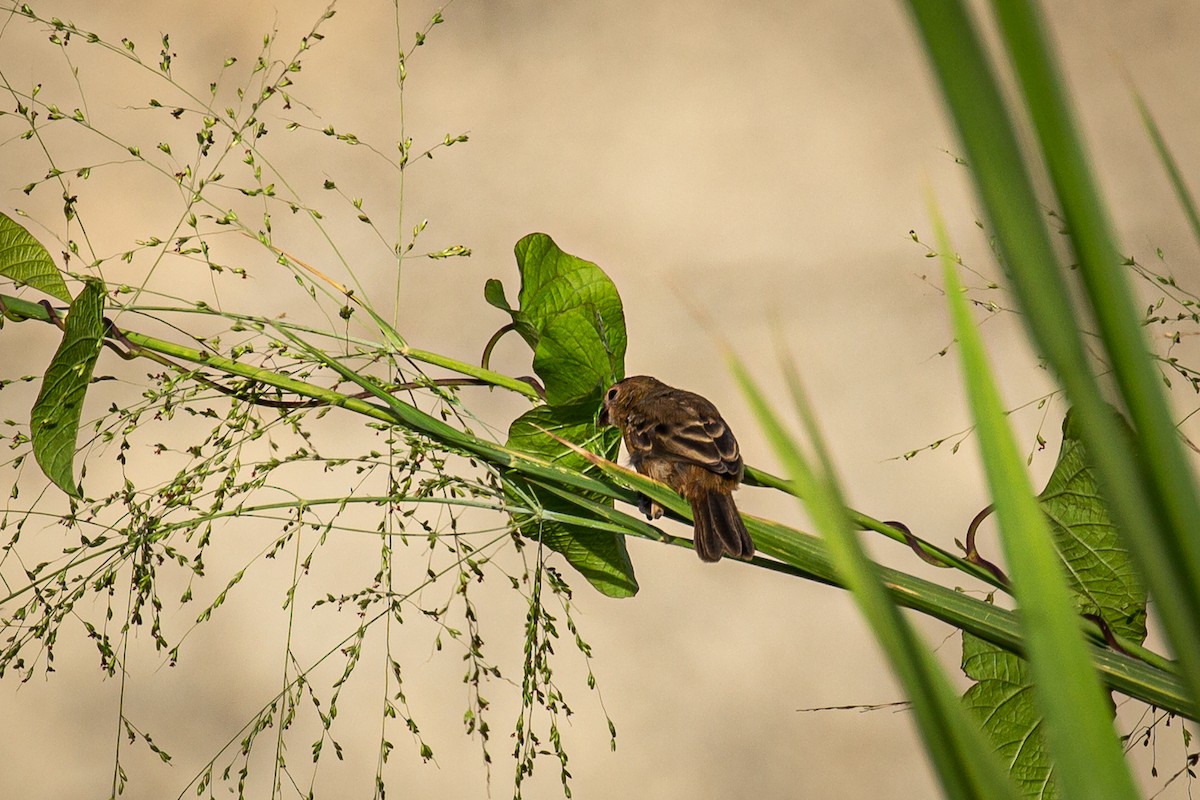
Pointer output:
x,y
679,438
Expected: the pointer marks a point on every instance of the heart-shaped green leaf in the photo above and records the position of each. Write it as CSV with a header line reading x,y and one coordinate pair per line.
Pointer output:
x,y
571,316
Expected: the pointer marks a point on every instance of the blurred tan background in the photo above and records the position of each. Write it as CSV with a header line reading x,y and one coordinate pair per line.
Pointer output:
x,y
764,162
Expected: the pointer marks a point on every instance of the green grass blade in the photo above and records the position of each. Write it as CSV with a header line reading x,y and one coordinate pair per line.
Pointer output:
x,y
965,763
1079,731
1182,193
1012,208
1170,558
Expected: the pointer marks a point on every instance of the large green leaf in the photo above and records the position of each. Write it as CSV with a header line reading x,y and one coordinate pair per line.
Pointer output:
x,y
598,554
1103,583
24,260
1100,572
571,316
1002,698
56,413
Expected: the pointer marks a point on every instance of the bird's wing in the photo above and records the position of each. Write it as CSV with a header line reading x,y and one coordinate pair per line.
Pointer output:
x,y
698,436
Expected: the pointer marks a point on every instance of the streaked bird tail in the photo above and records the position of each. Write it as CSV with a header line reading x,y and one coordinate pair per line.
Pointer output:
x,y
719,529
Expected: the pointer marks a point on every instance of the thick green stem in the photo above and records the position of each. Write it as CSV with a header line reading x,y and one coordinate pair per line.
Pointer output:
x,y
757,477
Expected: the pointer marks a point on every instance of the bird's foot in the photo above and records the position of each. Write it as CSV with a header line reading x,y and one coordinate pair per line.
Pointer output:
x,y
651,509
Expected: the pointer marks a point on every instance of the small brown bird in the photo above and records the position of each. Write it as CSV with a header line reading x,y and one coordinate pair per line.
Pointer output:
x,y
679,438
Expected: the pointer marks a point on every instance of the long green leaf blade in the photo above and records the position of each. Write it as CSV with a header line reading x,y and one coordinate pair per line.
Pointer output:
x,y
1182,193
965,764
1167,547
1079,730
977,106
1155,683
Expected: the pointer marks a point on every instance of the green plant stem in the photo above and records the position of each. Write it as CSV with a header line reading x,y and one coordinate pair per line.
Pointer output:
x,y
757,477
18,309
1158,684
1153,678
490,376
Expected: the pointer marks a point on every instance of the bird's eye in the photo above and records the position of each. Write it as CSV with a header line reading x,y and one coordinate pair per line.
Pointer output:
x,y
612,393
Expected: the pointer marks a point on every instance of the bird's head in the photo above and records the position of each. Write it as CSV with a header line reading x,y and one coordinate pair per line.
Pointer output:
x,y
625,395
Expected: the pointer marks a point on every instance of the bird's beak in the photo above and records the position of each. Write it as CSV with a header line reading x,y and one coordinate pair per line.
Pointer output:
x,y
602,417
